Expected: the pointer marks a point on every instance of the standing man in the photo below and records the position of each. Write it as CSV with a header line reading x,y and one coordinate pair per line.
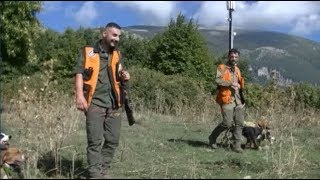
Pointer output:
x,y
98,78
230,88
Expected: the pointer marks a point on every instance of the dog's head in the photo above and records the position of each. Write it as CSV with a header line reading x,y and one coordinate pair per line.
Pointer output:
x,y
267,130
266,134
269,136
13,156
4,139
13,159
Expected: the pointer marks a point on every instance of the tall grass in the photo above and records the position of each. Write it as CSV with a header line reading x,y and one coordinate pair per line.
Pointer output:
x,y
42,122
46,125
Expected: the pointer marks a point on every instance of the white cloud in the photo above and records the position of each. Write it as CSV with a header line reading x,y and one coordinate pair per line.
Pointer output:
x,y
307,25
212,13
298,17
153,12
86,14
51,6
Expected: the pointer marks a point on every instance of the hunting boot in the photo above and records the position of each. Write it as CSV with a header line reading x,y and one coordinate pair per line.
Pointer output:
x,y
214,135
237,147
237,139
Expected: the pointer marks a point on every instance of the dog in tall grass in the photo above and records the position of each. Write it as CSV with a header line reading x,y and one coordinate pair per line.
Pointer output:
x,y
256,132
11,159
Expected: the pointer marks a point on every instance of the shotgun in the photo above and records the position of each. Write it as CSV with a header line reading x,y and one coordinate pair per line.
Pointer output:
x,y
128,107
242,96
241,91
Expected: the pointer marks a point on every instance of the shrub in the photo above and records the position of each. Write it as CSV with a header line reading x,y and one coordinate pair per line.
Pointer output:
x,y
166,93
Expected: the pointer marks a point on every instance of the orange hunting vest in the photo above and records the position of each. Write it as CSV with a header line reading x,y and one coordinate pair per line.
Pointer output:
x,y
224,93
92,59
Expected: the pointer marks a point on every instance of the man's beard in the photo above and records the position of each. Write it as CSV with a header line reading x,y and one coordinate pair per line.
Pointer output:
x,y
108,45
114,45
233,63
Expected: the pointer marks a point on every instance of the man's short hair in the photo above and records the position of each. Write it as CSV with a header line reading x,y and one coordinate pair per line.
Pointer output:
x,y
112,24
233,50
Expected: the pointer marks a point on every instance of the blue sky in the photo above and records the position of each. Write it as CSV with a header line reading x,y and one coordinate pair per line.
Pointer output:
x,y
300,18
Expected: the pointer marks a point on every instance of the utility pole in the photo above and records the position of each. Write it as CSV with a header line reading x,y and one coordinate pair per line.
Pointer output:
x,y
231,5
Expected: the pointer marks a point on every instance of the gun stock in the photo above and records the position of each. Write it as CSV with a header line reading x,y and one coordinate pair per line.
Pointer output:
x,y
129,112
241,91
127,104
242,96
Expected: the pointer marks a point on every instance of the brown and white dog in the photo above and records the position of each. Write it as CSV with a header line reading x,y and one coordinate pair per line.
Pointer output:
x,y
11,163
257,132
11,159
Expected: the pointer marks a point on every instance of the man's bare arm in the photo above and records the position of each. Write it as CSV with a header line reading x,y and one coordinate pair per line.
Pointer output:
x,y
81,102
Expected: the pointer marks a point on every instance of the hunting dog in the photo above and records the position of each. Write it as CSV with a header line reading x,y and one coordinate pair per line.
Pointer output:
x,y
257,132
11,159
11,163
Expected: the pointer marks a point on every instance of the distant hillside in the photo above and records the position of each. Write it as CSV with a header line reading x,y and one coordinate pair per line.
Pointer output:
x,y
294,58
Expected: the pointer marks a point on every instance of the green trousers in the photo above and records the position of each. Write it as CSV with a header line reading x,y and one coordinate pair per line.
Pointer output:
x,y
232,115
103,134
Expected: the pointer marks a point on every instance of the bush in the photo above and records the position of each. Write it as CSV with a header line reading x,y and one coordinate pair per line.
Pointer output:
x,y
181,49
166,93
306,94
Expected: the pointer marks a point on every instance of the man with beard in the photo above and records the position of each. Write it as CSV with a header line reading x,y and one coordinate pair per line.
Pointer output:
x,y
99,75
230,98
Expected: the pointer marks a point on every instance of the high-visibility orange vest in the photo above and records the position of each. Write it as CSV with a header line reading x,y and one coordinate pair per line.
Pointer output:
x,y
92,59
224,93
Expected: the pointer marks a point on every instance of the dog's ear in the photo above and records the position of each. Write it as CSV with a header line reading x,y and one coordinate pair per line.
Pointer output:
x,y
11,155
268,125
260,124
264,124
2,157
1,135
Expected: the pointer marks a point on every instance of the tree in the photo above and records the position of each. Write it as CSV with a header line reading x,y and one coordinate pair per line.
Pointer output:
x,y
68,48
46,45
89,35
133,50
181,50
19,27
243,66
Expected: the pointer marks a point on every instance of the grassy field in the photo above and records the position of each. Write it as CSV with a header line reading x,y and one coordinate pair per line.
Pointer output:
x,y
51,132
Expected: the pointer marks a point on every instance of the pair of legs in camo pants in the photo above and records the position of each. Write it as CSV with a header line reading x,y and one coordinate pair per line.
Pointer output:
x,y
232,115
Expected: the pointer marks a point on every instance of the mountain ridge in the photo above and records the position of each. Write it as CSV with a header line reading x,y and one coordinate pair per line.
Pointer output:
x,y
294,57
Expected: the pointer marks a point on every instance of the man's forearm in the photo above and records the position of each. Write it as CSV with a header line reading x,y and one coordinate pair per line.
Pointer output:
x,y
79,84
